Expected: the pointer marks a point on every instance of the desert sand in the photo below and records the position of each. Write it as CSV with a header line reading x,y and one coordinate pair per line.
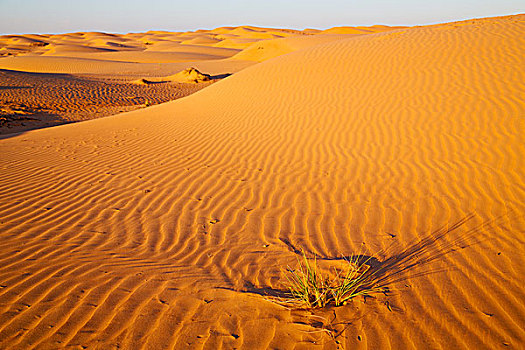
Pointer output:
x,y
171,226
50,80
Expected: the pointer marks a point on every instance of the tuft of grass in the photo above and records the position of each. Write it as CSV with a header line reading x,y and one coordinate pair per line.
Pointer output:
x,y
310,288
357,281
307,284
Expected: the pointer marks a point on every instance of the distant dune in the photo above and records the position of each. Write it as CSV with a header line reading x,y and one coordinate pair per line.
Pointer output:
x,y
267,49
25,52
172,226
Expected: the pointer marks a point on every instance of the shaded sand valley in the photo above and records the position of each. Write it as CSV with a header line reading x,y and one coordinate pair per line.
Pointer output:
x,y
34,100
171,226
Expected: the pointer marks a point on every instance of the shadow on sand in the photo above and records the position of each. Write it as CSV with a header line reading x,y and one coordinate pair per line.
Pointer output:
x,y
395,267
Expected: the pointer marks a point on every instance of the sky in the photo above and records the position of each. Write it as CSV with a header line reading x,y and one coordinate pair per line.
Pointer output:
x,y
124,16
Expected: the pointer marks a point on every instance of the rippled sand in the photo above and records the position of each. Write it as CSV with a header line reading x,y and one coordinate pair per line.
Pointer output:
x,y
169,226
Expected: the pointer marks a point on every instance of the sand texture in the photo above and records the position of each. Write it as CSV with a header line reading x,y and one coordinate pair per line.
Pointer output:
x,y
171,226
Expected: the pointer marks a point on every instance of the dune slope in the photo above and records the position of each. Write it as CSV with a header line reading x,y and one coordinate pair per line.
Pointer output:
x,y
164,227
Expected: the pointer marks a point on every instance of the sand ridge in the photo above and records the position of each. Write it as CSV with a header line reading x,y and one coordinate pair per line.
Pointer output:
x,y
118,232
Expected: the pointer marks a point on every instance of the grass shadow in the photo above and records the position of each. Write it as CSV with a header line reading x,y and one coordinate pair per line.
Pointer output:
x,y
396,265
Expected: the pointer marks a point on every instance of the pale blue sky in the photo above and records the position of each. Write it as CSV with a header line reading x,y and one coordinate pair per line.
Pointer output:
x,y
122,16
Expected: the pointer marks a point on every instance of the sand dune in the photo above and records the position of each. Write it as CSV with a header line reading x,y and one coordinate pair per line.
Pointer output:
x,y
139,54
223,41
161,56
236,43
99,68
201,40
267,49
137,58
161,228
360,30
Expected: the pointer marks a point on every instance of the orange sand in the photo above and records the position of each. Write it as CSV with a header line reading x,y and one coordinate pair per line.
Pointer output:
x,y
103,69
165,227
